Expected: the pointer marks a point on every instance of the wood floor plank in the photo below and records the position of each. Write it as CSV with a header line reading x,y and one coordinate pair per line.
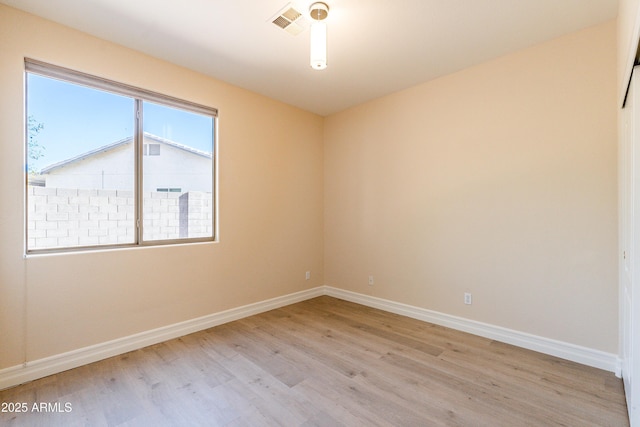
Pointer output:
x,y
326,362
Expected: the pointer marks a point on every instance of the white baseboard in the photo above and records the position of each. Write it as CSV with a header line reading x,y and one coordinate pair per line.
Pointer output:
x,y
583,355
40,368
32,370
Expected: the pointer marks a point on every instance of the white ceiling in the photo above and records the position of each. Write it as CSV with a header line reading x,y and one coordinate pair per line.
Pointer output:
x,y
375,47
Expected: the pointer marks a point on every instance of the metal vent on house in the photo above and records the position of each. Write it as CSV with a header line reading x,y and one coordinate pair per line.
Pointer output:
x,y
290,20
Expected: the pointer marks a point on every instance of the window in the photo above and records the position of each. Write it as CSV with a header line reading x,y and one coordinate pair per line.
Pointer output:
x,y
112,165
151,149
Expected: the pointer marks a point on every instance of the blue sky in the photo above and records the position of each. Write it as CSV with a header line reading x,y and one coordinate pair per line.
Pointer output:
x,y
77,119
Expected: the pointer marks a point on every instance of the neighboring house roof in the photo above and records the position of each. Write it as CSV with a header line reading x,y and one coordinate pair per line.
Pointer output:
x,y
114,145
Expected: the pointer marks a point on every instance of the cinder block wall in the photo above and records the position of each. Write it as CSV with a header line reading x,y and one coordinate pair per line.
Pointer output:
x,y
63,217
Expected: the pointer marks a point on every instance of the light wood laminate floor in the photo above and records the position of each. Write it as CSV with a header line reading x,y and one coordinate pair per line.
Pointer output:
x,y
325,362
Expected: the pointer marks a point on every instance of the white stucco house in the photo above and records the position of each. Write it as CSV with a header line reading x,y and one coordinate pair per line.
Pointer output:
x,y
168,167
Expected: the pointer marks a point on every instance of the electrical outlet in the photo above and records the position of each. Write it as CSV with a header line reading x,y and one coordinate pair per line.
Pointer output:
x,y
307,275
370,280
467,298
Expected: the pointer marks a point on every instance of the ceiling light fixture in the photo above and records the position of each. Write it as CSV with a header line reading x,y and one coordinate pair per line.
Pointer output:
x,y
318,51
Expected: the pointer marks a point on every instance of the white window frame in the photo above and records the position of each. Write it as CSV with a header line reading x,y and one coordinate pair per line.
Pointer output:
x,y
139,96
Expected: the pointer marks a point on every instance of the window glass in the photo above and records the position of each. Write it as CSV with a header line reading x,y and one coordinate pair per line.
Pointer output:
x,y
80,165
178,173
108,164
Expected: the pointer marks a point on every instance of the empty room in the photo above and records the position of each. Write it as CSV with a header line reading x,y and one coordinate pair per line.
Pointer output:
x,y
333,213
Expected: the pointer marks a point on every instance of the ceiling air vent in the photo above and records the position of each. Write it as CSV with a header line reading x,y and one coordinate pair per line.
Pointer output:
x,y
290,20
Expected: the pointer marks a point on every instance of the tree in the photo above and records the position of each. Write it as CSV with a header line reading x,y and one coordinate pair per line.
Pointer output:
x,y
34,149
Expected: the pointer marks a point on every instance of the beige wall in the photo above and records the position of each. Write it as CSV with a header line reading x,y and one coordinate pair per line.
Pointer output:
x,y
499,180
628,28
271,221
